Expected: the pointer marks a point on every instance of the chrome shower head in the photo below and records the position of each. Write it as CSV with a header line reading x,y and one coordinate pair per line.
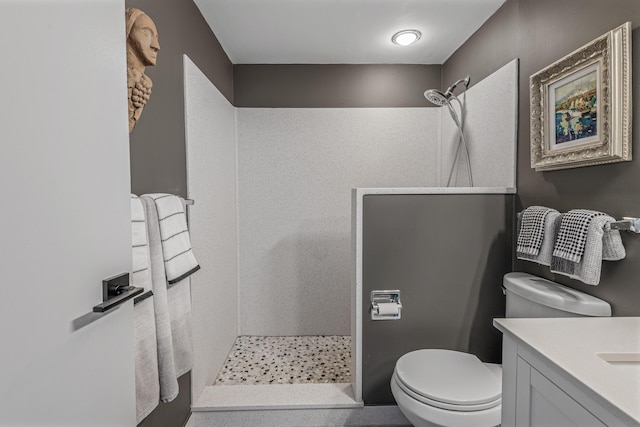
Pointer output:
x,y
442,98
436,97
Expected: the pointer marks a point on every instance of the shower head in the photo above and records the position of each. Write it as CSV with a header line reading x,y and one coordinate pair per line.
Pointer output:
x,y
439,98
436,97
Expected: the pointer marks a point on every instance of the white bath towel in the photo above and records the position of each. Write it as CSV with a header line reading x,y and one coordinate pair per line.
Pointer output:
x,y
551,224
176,245
179,298
602,244
146,349
166,366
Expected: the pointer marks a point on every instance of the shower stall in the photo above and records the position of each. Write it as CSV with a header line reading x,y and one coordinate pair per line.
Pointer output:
x,y
272,226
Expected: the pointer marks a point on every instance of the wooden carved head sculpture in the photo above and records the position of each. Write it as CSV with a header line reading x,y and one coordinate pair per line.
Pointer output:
x,y
142,51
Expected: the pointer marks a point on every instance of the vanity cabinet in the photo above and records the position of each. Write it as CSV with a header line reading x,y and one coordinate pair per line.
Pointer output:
x,y
541,403
539,392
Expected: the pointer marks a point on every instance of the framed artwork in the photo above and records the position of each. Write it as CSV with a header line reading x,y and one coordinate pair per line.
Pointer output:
x,y
581,105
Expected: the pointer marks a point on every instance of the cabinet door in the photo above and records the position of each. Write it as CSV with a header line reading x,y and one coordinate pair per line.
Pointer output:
x,y
541,403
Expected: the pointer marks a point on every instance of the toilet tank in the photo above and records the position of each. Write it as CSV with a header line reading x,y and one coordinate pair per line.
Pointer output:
x,y
532,296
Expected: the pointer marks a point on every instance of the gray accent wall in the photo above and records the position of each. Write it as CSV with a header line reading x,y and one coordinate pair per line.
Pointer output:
x,y
447,255
540,32
157,143
334,85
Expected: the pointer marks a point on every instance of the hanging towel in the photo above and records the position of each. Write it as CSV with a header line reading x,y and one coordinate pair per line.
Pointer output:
x,y
146,349
602,244
179,261
166,367
532,229
572,235
551,224
179,298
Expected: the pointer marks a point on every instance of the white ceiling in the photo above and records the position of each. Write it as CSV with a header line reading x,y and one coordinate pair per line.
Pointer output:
x,y
342,31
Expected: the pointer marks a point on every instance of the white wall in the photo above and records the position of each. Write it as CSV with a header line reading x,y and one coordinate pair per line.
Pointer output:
x,y
296,169
211,179
490,130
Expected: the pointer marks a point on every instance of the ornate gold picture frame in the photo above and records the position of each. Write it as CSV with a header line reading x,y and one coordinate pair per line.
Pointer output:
x,y
581,105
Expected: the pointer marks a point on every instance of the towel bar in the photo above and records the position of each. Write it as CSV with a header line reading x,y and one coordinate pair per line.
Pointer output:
x,y
627,223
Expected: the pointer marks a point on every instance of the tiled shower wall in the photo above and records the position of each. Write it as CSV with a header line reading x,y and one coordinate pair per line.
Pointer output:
x,y
296,169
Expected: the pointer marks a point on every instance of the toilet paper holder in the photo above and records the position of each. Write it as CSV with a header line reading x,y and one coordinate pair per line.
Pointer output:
x,y
386,305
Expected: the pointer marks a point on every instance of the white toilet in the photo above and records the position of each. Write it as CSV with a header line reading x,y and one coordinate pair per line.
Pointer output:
x,y
445,388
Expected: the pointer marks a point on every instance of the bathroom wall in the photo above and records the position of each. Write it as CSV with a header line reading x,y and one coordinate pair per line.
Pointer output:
x,y
490,129
158,157
333,85
296,169
446,253
211,173
539,33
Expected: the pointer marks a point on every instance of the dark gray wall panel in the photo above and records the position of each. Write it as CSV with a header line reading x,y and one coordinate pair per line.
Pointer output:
x,y
447,255
158,156
540,32
340,85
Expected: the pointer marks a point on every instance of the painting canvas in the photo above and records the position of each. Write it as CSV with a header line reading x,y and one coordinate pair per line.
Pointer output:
x,y
574,101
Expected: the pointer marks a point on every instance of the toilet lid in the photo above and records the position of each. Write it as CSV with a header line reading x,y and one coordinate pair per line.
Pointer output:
x,y
447,376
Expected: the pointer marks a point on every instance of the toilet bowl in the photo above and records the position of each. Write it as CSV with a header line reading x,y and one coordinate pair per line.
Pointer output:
x,y
445,388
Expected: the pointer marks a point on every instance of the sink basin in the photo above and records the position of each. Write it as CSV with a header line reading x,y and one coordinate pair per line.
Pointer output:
x,y
625,359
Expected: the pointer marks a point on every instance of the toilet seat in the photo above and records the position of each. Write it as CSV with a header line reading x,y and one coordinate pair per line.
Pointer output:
x,y
449,380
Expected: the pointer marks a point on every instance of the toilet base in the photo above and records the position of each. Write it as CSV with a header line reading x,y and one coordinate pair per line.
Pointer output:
x,y
423,415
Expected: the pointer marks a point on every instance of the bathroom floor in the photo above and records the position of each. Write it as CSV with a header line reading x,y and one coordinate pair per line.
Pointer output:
x,y
287,360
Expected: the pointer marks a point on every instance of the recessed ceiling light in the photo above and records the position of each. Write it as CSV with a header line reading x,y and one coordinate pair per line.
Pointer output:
x,y
406,37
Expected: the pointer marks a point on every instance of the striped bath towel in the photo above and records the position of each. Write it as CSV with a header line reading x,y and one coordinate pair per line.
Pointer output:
x,y
179,261
146,346
169,237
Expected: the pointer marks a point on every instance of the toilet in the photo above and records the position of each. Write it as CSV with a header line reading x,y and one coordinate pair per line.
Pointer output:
x,y
446,388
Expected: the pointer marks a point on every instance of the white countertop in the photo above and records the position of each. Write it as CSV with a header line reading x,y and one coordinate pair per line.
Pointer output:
x,y
573,344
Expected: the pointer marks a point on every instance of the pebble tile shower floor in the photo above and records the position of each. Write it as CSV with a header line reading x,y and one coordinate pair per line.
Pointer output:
x,y
287,360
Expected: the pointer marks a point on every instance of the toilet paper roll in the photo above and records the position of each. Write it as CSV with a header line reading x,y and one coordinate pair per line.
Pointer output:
x,y
387,309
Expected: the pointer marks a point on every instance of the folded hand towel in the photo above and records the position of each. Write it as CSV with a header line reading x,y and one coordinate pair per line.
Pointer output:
x,y
551,224
176,245
531,231
602,243
166,367
146,349
572,235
